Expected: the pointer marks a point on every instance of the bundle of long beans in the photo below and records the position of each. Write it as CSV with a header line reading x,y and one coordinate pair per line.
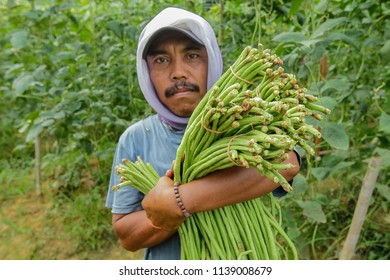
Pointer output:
x,y
253,116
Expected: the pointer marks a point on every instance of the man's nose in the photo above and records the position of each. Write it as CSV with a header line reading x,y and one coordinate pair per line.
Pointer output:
x,y
179,71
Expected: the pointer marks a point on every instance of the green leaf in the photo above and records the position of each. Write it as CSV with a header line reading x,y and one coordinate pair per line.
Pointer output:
x,y
310,43
313,210
19,38
47,122
22,83
236,28
33,14
384,123
385,52
59,115
295,6
322,198
131,32
115,27
326,26
339,36
328,102
385,157
33,132
331,160
338,85
290,37
80,135
320,173
61,56
340,168
294,232
321,7
335,135
290,59
11,4
299,184
383,190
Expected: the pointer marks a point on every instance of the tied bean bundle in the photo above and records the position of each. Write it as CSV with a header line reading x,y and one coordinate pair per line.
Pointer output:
x,y
253,116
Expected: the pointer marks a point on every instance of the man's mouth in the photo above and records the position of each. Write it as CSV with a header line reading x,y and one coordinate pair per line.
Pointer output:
x,y
181,87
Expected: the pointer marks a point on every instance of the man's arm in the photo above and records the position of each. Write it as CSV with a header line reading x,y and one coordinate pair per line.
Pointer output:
x,y
218,189
136,232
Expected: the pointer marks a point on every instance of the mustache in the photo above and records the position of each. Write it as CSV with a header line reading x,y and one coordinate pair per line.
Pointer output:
x,y
180,85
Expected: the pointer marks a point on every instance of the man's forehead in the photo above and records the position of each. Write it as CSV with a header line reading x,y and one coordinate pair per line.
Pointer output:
x,y
171,37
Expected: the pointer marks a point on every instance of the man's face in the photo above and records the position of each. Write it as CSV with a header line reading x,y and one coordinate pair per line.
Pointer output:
x,y
178,70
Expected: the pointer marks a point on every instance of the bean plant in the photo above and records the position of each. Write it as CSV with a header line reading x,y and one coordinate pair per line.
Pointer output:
x,y
68,80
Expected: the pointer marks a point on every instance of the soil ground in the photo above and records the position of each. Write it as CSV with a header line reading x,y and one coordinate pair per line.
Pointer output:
x,y
30,230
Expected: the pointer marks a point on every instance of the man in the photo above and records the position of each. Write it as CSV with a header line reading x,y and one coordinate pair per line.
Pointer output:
x,y
178,60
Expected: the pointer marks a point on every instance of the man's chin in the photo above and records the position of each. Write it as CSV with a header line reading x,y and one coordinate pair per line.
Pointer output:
x,y
185,113
184,107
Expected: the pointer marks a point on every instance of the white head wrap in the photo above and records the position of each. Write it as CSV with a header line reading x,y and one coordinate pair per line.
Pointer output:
x,y
195,27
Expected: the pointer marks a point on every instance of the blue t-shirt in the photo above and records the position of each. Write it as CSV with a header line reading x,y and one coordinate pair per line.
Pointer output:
x,y
157,144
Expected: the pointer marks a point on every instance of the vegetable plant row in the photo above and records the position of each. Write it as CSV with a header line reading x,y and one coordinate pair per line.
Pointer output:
x,y
253,116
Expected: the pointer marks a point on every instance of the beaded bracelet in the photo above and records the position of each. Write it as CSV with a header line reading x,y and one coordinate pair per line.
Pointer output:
x,y
179,202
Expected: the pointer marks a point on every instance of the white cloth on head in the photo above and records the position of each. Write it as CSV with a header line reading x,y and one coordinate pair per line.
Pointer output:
x,y
189,22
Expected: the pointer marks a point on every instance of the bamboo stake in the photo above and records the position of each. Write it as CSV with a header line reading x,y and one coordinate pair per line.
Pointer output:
x,y
221,19
38,164
361,208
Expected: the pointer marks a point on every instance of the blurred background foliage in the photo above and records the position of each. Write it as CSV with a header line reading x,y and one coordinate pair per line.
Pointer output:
x,y
68,89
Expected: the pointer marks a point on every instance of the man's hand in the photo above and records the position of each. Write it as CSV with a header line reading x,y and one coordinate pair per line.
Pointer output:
x,y
161,207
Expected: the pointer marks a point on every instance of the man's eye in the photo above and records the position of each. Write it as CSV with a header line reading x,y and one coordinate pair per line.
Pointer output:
x,y
161,60
193,56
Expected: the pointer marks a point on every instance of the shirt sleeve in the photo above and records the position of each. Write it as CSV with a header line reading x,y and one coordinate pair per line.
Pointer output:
x,y
127,199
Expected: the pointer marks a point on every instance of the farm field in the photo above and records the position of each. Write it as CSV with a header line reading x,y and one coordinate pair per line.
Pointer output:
x,y
68,89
